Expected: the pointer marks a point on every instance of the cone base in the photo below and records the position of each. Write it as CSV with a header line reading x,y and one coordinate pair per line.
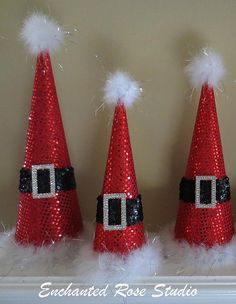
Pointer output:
x,y
119,241
45,221
107,267
184,259
203,226
53,260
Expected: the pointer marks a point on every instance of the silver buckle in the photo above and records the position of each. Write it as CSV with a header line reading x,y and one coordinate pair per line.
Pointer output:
x,y
51,169
106,198
213,191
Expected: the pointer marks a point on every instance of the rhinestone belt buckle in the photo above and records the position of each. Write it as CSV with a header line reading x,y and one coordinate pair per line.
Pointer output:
x,y
106,198
35,190
198,180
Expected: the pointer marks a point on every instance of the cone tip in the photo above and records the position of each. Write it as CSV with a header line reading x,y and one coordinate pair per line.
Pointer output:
x,y
205,68
40,33
120,87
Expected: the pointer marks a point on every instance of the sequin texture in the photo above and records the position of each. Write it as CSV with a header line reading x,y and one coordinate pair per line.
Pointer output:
x,y
134,211
120,178
45,220
187,191
200,225
64,180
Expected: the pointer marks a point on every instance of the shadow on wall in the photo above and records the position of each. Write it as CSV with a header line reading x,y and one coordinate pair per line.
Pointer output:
x,y
8,219
187,46
93,176
110,55
165,210
107,58
233,199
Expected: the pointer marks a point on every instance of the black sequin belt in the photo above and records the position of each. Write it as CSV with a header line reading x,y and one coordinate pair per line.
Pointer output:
x,y
45,180
203,188
115,212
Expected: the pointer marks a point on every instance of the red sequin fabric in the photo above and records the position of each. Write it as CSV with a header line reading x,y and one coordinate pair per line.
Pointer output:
x,y
206,226
120,178
45,220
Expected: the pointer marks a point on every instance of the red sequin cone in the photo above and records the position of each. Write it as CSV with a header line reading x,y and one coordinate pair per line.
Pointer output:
x,y
48,207
120,178
198,224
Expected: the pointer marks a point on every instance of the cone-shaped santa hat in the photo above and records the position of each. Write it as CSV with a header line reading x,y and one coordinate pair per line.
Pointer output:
x,y
205,216
48,207
119,209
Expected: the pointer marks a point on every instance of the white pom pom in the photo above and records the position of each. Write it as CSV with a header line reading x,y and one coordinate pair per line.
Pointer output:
x,y
121,87
41,34
206,68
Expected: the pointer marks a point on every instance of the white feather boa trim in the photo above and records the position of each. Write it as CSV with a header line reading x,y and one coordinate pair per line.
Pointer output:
x,y
76,257
53,260
184,259
92,267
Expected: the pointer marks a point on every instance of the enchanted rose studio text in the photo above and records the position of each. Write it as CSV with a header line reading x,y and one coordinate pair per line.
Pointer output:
x,y
118,290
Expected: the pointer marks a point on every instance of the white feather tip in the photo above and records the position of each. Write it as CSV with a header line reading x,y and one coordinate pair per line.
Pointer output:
x,y
41,34
120,87
206,68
